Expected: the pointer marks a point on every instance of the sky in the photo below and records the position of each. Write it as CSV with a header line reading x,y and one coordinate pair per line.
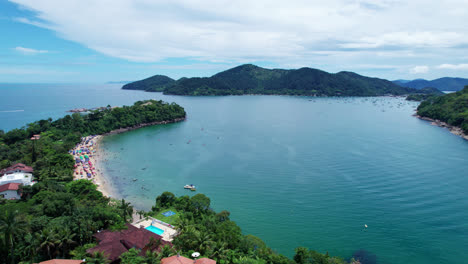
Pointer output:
x,y
96,41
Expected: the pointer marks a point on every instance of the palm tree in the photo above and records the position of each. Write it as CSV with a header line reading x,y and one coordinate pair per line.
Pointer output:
x,y
126,210
65,239
152,257
11,225
97,258
140,213
30,247
47,242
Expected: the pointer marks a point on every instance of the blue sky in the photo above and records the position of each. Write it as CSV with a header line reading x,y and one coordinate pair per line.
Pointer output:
x,y
99,41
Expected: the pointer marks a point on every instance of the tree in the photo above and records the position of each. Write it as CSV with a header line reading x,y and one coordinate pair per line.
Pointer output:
x,y
200,202
97,258
301,256
126,210
132,257
165,200
11,226
47,243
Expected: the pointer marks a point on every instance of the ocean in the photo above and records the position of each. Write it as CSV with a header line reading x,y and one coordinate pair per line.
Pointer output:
x,y
294,171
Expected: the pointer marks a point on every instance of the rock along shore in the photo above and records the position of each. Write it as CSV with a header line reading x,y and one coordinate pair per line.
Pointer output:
x,y
125,129
453,129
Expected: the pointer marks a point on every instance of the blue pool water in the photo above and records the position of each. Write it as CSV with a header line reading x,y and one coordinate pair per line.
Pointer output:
x,y
155,230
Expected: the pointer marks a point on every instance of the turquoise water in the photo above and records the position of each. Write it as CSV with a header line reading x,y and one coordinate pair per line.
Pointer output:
x,y
155,230
318,169
24,103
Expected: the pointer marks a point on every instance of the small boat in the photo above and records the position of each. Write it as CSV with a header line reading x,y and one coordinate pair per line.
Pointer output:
x,y
190,187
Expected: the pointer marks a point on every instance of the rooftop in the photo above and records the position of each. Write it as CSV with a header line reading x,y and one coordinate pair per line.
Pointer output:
x,y
184,260
114,244
17,167
62,261
9,187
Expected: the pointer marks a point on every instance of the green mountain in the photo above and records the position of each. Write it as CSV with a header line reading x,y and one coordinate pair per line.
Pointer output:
x,y
443,84
450,108
251,79
155,83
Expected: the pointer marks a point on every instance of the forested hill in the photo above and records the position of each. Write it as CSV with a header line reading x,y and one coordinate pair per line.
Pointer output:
x,y
450,108
443,84
251,79
155,83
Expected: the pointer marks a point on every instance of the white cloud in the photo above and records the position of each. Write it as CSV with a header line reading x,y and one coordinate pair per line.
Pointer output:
x,y
310,32
462,66
28,51
419,69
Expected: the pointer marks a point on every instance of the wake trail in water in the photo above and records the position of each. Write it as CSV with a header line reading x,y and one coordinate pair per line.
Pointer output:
x,y
10,111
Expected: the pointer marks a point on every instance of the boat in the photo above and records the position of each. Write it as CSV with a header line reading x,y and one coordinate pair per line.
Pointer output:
x,y
190,187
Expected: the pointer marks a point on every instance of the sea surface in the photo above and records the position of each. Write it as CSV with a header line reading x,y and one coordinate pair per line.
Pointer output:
x,y
294,171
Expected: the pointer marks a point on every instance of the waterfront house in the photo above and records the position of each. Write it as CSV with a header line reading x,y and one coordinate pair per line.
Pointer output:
x,y
183,260
18,173
114,244
10,191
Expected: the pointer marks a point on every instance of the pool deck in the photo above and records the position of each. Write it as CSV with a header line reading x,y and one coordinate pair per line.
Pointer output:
x,y
169,233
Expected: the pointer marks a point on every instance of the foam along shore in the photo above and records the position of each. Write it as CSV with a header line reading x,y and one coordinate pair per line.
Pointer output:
x,y
453,129
87,163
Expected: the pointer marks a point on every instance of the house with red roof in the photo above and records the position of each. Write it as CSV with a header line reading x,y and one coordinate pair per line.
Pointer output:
x,y
62,261
114,244
10,191
18,173
18,167
183,260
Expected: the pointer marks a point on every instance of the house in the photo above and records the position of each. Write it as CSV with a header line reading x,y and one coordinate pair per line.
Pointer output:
x,y
18,173
62,261
183,260
10,191
114,244
18,167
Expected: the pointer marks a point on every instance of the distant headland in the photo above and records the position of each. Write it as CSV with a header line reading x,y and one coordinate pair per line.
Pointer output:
x,y
251,79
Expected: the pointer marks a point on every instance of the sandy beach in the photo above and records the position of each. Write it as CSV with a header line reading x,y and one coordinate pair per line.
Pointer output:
x,y
89,164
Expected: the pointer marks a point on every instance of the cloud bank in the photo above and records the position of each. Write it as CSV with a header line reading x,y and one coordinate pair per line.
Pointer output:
x,y
295,32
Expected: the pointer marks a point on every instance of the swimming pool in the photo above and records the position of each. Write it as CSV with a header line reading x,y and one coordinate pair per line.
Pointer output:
x,y
155,230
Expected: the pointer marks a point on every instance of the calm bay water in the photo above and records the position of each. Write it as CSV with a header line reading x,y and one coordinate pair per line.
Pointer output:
x,y
299,171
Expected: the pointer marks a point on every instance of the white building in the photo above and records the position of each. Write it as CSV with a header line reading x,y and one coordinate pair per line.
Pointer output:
x,y
10,191
18,173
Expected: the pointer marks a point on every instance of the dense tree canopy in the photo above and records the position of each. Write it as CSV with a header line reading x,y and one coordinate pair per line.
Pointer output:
x,y
450,108
251,79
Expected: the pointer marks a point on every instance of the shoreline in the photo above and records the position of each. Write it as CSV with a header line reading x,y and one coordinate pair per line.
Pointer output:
x,y
453,129
94,163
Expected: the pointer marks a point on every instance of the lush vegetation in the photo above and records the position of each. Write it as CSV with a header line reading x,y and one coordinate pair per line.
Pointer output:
x,y
216,236
442,84
424,94
57,217
155,83
49,155
450,108
250,79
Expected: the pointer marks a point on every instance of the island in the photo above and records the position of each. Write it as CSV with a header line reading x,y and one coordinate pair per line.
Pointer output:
x,y
251,79
450,110
57,216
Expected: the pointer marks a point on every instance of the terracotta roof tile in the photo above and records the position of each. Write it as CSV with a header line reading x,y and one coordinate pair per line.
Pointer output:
x,y
184,260
13,186
62,261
